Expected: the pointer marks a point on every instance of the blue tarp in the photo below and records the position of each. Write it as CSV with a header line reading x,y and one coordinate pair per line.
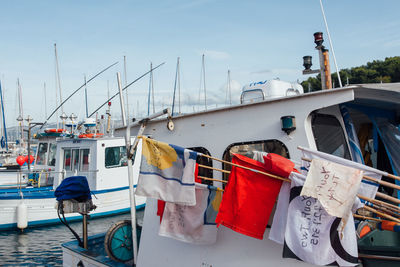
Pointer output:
x,y
74,187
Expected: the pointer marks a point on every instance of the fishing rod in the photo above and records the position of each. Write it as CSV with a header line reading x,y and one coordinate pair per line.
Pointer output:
x,y
86,82
137,79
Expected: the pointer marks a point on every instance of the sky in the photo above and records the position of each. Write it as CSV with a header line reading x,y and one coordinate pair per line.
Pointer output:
x,y
255,40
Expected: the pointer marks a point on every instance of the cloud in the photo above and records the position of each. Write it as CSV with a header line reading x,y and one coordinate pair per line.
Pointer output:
x,y
394,43
261,72
213,54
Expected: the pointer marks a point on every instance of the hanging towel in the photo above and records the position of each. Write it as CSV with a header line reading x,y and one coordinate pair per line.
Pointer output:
x,y
278,165
334,185
167,172
193,224
161,203
248,198
278,227
312,234
367,188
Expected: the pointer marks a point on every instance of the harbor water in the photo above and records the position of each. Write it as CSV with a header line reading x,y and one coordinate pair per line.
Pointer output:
x,y
42,246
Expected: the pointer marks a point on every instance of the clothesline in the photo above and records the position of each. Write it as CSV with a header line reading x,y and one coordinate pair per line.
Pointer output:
x,y
243,167
380,209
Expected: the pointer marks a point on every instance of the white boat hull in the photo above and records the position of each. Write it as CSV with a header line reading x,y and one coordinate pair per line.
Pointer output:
x,y
10,179
42,211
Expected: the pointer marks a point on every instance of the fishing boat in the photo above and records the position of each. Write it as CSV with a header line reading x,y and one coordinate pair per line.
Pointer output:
x,y
101,160
278,125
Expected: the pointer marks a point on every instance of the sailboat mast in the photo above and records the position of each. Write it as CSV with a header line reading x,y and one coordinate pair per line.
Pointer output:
x,y
86,100
45,100
175,86
4,117
58,76
204,83
150,84
229,88
152,92
125,83
20,118
179,85
203,79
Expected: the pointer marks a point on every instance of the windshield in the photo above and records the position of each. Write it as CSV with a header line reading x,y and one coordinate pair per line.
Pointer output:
x,y
52,155
41,154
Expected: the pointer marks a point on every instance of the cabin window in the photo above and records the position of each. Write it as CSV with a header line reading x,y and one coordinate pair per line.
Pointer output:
x,y
67,159
41,155
116,157
204,172
84,155
75,157
52,155
329,136
254,150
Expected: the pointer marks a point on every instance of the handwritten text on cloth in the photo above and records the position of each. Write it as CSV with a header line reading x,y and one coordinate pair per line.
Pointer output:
x,y
334,185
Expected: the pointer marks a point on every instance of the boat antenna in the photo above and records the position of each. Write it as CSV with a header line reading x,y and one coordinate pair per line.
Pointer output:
x,y
137,79
330,43
176,84
203,78
4,118
76,92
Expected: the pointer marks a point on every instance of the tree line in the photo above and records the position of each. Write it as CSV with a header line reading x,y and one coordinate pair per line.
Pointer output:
x,y
377,71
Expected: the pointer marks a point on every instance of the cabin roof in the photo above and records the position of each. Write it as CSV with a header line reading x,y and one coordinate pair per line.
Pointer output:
x,y
241,106
378,95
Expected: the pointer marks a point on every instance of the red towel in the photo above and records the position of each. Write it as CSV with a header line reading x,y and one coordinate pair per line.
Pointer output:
x,y
279,165
248,198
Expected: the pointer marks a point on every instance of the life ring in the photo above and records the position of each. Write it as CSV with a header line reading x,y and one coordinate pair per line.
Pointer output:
x,y
91,135
54,130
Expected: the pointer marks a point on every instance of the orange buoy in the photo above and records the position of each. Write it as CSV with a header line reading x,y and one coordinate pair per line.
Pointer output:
x,y
91,135
54,130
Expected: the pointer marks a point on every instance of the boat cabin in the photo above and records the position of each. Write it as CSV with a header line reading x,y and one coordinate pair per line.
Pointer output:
x,y
99,159
357,121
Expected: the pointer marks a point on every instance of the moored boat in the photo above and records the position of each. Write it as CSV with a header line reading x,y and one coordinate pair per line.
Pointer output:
x,y
101,160
316,122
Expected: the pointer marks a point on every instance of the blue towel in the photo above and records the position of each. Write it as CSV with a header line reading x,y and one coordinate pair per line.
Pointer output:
x,y
74,187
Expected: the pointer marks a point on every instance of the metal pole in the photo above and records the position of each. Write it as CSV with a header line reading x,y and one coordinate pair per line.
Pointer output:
x,y
121,99
204,80
176,79
29,147
322,68
85,231
330,43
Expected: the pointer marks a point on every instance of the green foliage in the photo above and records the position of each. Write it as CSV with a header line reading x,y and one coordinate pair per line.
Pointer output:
x,y
377,71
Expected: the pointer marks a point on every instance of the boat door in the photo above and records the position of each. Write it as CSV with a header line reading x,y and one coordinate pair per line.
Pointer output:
x,y
76,159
